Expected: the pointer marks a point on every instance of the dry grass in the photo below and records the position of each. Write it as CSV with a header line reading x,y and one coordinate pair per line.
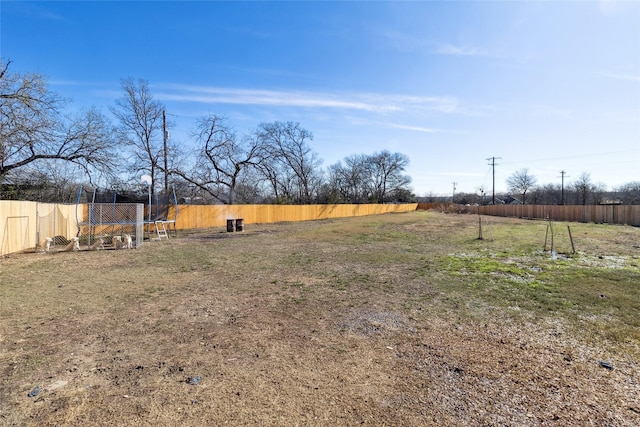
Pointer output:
x,y
403,319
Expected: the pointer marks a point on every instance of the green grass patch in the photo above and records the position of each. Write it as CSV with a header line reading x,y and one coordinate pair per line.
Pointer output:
x,y
602,295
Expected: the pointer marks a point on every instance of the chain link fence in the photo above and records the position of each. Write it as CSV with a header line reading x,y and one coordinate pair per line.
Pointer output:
x,y
111,225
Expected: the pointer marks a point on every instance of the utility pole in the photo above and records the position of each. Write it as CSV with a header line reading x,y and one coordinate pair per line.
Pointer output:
x,y
166,163
453,194
563,174
493,167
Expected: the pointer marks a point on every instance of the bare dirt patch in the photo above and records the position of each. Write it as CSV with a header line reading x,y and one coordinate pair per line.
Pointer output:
x,y
343,322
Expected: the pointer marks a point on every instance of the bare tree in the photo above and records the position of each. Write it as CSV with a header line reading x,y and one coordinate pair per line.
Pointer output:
x,y
351,180
482,189
583,187
222,159
386,174
279,177
547,194
357,176
249,187
34,130
336,183
520,182
598,192
289,164
629,193
140,117
376,177
62,180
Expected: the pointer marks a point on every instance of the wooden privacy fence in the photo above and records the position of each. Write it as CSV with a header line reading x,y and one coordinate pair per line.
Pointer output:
x,y
206,216
599,214
25,225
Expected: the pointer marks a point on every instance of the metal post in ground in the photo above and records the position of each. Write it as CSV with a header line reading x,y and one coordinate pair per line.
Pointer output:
x,y
573,248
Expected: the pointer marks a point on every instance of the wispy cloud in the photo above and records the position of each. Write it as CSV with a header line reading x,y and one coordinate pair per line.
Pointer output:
x,y
413,128
43,13
409,43
281,98
72,83
270,98
450,49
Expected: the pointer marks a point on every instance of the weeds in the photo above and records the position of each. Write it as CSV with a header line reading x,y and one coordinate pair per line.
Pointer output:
x,y
403,319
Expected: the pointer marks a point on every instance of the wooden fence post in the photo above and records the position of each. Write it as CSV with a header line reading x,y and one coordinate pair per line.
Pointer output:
x,y
573,248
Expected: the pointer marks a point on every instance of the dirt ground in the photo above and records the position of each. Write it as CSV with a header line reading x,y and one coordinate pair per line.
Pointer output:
x,y
343,322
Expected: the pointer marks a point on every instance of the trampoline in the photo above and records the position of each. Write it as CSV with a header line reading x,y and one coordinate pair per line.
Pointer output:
x,y
105,214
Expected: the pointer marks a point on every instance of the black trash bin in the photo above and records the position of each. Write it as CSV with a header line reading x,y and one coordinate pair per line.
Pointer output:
x,y
229,225
239,224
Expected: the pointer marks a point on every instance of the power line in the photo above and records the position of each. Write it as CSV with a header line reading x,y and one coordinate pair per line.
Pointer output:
x,y
563,174
165,136
453,194
493,168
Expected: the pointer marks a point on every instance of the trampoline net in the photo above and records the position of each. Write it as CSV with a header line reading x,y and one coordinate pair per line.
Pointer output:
x,y
158,211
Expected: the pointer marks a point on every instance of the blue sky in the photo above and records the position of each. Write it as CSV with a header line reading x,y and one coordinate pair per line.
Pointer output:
x,y
547,86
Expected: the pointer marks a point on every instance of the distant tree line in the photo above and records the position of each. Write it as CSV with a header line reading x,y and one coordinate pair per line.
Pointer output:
x,y
581,191
46,155
523,188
